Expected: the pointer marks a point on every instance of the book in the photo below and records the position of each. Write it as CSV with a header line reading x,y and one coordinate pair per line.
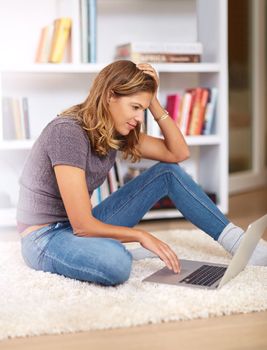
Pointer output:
x,y
193,48
161,58
15,118
210,112
163,203
198,111
61,36
168,52
45,40
8,125
112,181
26,118
118,172
184,112
144,124
84,33
98,195
172,105
88,30
193,96
94,198
91,30
104,189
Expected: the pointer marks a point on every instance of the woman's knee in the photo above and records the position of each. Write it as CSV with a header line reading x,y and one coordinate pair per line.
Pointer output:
x,y
108,263
98,260
168,167
117,267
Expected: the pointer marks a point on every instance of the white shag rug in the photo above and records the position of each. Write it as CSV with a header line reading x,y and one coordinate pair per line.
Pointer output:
x,y
35,303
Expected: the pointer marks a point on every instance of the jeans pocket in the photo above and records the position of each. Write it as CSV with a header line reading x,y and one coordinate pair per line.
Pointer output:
x,y
34,244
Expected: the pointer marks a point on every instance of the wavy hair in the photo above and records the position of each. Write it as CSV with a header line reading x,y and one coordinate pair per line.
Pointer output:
x,y
122,78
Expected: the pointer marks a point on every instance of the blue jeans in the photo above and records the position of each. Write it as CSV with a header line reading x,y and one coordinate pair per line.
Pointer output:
x,y
55,248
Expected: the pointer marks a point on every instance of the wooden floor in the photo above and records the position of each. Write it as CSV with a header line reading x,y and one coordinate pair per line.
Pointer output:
x,y
243,331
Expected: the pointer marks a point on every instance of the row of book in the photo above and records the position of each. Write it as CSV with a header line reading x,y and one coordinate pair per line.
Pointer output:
x,y
15,118
112,183
54,44
194,110
156,52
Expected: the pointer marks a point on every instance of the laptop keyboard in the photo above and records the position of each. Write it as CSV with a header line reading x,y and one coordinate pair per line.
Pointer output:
x,y
206,275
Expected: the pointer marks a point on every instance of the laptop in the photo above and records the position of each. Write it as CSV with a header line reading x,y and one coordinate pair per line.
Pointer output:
x,y
199,274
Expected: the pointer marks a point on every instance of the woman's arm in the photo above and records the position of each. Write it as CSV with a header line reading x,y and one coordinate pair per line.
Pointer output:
x,y
73,189
173,147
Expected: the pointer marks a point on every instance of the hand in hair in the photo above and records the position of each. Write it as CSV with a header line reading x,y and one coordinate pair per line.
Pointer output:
x,y
148,69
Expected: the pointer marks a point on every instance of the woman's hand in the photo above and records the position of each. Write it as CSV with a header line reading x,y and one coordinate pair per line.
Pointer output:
x,y
148,69
161,249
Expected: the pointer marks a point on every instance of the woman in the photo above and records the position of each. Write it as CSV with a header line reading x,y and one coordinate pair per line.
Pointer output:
x,y
61,232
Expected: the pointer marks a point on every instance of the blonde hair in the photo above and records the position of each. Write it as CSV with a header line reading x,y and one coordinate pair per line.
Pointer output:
x,y
122,78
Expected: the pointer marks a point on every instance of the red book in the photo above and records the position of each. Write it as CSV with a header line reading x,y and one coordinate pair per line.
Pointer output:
x,y
172,106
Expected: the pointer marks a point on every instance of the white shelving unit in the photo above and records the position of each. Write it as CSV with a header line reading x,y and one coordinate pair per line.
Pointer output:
x,y
96,67
50,88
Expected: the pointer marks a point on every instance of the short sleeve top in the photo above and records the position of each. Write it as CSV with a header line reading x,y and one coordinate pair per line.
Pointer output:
x,y
63,141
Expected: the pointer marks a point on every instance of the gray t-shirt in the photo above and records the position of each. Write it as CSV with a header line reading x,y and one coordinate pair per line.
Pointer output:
x,y
63,141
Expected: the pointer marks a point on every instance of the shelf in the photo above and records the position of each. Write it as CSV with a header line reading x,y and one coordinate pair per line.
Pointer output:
x,y
187,67
96,67
53,68
203,140
162,214
191,141
16,145
8,217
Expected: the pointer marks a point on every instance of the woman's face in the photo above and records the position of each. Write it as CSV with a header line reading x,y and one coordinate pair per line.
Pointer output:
x,y
128,111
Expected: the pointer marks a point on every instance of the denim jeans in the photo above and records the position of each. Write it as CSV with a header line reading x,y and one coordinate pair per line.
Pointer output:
x,y
55,248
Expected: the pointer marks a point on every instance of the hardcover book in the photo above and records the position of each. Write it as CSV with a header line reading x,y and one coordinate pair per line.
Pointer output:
x,y
193,48
61,35
172,105
198,111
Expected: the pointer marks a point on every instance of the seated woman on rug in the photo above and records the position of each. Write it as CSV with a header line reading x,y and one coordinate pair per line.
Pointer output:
x,y
61,232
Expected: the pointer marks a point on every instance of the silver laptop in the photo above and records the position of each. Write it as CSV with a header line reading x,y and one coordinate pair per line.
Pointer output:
x,y
199,274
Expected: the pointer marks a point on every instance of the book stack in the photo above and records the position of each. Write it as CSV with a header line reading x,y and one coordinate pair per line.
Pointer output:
x,y
15,119
54,42
150,52
194,110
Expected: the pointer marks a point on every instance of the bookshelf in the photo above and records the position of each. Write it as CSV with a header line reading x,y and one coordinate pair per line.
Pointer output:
x,y
96,67
52,87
